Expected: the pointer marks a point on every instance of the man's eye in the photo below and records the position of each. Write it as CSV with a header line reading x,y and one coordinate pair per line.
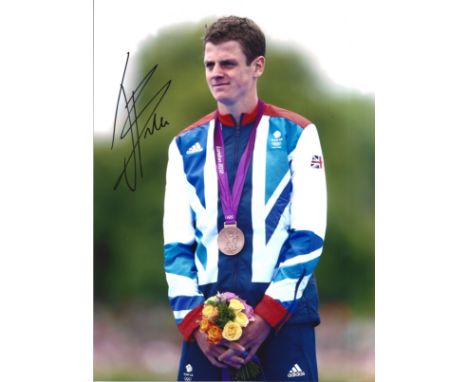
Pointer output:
x,y
209,66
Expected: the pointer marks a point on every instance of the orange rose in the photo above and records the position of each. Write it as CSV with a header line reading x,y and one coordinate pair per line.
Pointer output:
x,y
204,324
214,334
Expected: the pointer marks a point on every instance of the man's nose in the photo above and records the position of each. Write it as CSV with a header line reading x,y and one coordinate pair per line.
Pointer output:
x,y
217,71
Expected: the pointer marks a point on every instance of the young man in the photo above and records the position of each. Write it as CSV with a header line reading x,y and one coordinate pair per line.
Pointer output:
x,y
245,212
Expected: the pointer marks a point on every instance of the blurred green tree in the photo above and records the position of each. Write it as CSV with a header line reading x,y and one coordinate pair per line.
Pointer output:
x,y
128,257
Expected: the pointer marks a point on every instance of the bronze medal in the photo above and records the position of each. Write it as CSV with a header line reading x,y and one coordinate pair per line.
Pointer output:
x,y
230,240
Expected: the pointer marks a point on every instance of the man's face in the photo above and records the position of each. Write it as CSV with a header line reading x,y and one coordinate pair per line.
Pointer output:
x,y
229,77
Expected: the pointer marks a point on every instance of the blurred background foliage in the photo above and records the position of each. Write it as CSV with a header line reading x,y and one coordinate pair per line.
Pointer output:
x,y
128,240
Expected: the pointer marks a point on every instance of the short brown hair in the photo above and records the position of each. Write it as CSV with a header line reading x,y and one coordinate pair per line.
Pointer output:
x,y
240,29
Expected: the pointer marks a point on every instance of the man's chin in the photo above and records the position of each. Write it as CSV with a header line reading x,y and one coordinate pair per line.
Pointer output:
x,y
223,99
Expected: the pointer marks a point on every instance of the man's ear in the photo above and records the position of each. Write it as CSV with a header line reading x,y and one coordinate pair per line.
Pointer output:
x,y
259,66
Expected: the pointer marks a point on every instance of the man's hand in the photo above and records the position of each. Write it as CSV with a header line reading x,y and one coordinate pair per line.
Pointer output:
x,y
218,354
252,337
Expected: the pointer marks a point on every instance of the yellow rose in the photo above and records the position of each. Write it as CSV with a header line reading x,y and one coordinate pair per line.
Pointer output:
x,y
236,305
242,319
214,334
210,311
232,331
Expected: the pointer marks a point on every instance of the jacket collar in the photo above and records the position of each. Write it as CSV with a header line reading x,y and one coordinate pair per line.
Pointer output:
x,y
246,118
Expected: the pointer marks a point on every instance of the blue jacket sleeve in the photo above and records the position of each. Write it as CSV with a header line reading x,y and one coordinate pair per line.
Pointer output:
x,y
301,251
179,240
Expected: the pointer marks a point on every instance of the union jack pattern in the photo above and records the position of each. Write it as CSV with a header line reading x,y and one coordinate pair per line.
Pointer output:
x,y
317,161
280,210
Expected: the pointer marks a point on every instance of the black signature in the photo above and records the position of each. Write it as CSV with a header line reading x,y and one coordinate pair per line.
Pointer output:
x,y
133,128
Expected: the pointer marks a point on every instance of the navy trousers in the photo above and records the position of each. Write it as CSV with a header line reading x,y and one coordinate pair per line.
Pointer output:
x,y
286,355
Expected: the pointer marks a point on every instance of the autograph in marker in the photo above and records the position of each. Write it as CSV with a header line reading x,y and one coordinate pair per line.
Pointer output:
x,y
135,128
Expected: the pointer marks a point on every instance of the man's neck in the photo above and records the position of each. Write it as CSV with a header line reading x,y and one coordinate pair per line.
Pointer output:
x,y
236,110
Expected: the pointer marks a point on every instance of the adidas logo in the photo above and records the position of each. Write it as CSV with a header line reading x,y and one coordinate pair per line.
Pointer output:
x,y
196,148
296,371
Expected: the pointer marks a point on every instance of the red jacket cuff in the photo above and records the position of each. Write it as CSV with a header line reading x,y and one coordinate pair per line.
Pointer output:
x,y
190,322
271,311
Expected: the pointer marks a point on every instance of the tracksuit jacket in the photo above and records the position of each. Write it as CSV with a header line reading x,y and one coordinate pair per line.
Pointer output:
x,y
282,213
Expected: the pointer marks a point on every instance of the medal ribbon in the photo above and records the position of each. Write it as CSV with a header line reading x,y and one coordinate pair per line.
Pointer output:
x,y
230,201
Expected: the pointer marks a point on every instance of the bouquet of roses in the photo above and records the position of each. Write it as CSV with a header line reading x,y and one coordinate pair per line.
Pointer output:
x,y
224,316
